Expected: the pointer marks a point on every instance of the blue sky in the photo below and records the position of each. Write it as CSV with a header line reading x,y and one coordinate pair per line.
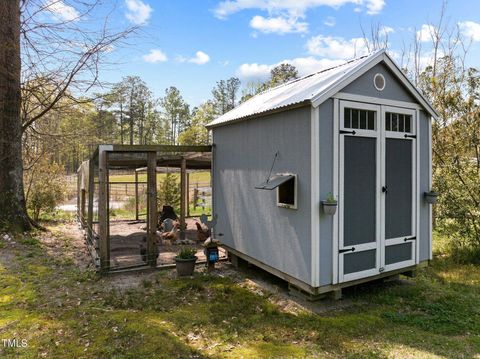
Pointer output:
x,y
191,44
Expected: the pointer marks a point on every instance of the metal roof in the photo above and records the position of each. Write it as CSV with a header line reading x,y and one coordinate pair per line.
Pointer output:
x,y
316,86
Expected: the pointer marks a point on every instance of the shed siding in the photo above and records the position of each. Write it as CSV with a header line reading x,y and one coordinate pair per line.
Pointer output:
x,y
424,232
394,90
326,186
249,218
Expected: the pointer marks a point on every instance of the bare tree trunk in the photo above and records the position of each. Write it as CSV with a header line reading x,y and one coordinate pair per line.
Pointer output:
x,y
13,212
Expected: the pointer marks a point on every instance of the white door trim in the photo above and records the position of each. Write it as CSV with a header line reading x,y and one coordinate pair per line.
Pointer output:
x,y
414,220
381,135
315,196
336,151
373,245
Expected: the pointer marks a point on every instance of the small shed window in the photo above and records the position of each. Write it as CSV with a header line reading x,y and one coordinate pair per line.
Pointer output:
x,y
286,185
359,119
379,82
398,122
287,193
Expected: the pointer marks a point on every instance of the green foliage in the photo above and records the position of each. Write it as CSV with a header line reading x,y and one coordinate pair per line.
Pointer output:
x,y
46,187
280,74
169,192
330,198
225,95
197,134
176,113
455,92
187,253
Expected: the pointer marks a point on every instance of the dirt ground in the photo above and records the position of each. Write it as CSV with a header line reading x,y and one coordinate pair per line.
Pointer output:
x,y
126,237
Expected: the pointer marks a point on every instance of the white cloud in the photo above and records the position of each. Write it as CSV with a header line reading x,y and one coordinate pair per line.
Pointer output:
x,y
200,58
426,33
280,25
385,30
336,47
329,21
304,65
138,12
254,71
470,29
293,7
154,56
374,6
62,11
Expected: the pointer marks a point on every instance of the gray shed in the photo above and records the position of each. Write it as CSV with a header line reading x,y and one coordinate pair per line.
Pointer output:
x,y
361,132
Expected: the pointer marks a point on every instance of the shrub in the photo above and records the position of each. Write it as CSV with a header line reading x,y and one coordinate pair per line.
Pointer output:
x,y
169,192
45,187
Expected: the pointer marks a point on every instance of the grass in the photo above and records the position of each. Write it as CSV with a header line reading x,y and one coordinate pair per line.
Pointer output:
x,y
63,311
200,177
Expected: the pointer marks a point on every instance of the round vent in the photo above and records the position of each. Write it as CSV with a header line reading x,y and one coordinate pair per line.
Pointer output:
x,y
379,82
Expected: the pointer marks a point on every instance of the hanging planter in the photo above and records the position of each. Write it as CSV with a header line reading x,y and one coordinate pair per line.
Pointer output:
x,y
431,197
329,208
330,205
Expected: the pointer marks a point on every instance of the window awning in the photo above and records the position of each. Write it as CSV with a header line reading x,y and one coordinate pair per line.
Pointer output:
x,y
274,182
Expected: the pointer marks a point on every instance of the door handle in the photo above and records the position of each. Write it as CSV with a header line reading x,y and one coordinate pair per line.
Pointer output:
x,y
410,239
384,189
347,250
343,132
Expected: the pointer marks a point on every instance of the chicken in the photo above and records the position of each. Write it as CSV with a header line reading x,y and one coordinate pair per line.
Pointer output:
x,y
202,233
172,234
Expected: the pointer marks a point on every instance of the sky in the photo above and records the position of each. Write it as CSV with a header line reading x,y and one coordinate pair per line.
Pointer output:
x,y
191,44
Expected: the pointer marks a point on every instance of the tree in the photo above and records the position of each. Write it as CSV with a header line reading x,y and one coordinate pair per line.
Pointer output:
x,y
46,187
225,95
197,133
58,54
251,89
176,111
13,211
281,74
169,193
278,75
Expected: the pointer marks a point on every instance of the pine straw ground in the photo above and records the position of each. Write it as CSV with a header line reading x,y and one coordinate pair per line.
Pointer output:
x,y
50,298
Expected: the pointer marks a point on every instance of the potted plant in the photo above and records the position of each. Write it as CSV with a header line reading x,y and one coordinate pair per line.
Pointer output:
x,y
185,261
330,204
431,197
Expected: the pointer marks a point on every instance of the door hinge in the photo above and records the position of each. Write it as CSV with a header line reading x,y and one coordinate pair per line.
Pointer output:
x,y
347,250
343,132
381,269
410,136
410,239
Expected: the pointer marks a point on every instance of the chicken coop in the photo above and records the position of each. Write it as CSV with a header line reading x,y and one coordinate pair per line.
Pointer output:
x,y
119,203
324,181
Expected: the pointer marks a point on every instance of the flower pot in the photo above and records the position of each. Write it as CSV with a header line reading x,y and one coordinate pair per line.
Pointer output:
x,y
431,197
329,208
185,267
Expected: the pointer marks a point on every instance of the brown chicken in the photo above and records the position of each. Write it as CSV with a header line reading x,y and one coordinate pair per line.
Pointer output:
x,y
202,232
171,235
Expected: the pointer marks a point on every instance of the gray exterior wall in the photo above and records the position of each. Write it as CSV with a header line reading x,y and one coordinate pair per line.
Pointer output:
x,y
423,234
249,218
394,90
326,186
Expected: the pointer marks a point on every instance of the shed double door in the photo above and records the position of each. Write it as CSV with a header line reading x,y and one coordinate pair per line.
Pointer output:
x,y
377,189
